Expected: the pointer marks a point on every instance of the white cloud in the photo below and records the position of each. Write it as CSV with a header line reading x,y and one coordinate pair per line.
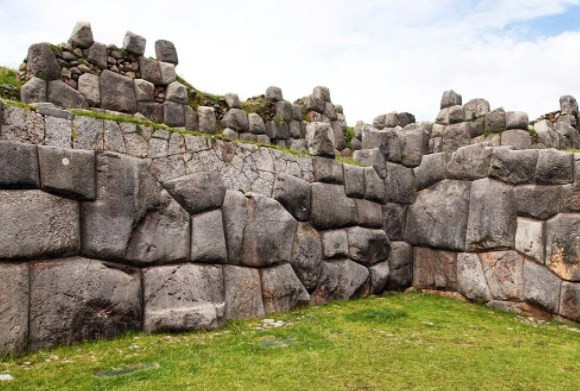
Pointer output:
x,y
376,56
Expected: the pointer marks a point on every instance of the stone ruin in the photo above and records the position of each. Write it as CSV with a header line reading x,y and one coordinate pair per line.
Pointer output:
x,y
110,224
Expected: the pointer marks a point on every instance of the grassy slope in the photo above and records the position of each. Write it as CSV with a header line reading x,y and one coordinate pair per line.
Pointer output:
x,y
399,342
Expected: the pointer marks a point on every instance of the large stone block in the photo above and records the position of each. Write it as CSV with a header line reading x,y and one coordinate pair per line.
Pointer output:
x,y
320,139
469,163
173,114
21,125
476,108
368,246
455,136
98,55
208,244
165,51
394,217
133,218
530,239
414,144
539,202
198,192
236,119
439,216
563,246
541,287
471,281
450,98
555,167
327,170
519,139
516,120
354,181
34,91
342,279
515,167
58,132
570,301
82,35
183,297
294,194
243,292
369,213
41,62
134,43
371,157
492,216
235,215
117,92
206,119
400,266
63,95
335,243
281,289
67,172
330,207
495,120
431,170
434,269
307,255
378,277
76,299
504,271
14,290
18,166
37,224
88,85
88,133
400,184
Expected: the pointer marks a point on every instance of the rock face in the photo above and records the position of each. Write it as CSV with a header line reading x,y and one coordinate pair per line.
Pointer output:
x,y
438,218
75,299
14,289
37,225
185,297
281,289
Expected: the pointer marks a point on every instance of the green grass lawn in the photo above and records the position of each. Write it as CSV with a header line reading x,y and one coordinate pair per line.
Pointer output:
x,y
396,342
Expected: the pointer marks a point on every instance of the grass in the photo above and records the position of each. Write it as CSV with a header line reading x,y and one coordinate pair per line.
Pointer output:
x,y
9,84
397,342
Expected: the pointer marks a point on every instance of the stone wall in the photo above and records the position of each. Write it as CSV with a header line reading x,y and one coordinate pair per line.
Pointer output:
x,y
85,74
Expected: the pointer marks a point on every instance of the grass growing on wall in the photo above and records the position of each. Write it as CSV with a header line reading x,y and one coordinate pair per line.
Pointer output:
x,y
398,342
9,84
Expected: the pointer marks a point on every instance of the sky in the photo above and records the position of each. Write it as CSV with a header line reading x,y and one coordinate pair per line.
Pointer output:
x,y
375,56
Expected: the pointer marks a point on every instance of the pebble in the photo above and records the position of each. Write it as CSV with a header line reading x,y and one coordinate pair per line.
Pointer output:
x,y
6,377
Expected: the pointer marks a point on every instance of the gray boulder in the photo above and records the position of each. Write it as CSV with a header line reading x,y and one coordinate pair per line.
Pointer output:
x,y
327,170
568,105
570,301
374,185
371,157
342,279
176,92
14,286
281,289
414,144
207,120
476,108
233,101
274,94
495,121
294,194
21,125
117,92
88,133
284,110
98,55
368,246
208,243
354,181
439,216
379,276
469,163
34,91
151,110
394,216
504,272
546,134
492,216
165,51
198,192
134,43
369,214
321,92
541,287
41,62
313,104
183,298
150,70
400,262
399,184
434,269
404,119
563,246
530,239
554,167
76,299
82,35
430,171
539,202
516,120
18,166
88,86
456,136
568,135
63,95
243,292
320,139
67,172
450,98
173,114
330,208
235,215
471,281
41,225
519,139
514,167
236,119
307,255
256,124
335,243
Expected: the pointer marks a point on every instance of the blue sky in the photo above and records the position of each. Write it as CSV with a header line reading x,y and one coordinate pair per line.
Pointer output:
x,y
375,56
